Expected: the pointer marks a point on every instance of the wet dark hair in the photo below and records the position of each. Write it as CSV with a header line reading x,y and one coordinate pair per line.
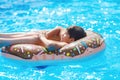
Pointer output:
x,y
76,32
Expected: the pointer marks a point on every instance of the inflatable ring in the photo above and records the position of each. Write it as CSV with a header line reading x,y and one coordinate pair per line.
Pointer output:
x,y
90,44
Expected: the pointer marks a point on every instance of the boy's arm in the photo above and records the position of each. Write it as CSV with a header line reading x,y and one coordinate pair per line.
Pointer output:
x,y
47,43
54,32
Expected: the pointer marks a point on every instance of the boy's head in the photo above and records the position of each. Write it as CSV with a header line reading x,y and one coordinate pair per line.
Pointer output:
x,y
73,33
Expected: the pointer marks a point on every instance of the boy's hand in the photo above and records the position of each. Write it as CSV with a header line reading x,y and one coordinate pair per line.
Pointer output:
x,y
41,36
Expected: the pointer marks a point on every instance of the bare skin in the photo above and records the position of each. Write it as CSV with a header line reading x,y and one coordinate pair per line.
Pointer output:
x,y
57,37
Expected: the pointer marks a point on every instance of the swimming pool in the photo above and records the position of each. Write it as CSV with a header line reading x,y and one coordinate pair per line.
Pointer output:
x,y
101,16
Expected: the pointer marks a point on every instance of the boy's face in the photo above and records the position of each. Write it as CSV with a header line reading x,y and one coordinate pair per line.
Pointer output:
x,y
66,38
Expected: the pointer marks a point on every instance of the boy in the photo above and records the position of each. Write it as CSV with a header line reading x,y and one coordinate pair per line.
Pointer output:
x,y
57,37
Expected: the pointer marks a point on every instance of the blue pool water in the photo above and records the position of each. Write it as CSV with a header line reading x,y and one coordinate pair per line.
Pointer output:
x,y
102,16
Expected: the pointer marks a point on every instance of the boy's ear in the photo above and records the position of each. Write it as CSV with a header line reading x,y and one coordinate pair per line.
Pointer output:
x,y
72,39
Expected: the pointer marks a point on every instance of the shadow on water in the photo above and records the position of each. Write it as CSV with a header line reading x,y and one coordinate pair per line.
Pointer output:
x,y
41,67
